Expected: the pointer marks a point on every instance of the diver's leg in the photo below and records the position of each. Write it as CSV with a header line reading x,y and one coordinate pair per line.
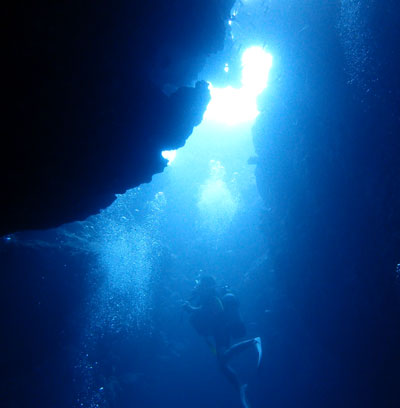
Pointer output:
x,y
238,348
243,345
232,377
222,347
229,373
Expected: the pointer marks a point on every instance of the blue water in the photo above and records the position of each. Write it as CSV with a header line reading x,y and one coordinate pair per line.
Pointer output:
x,y
98,321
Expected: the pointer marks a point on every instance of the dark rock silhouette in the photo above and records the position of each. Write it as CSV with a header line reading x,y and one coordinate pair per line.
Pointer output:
x,y
85,115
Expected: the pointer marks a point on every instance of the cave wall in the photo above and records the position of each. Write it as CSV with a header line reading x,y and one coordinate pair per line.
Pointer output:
x,y
85,115
329,172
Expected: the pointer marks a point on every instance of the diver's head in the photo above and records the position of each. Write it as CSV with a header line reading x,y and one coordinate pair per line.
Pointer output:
x,y
206,284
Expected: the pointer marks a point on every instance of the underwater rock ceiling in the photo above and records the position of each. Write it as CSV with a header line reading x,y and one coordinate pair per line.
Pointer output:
x,y
85,116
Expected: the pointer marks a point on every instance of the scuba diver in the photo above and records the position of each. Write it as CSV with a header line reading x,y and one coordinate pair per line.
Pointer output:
x,y
215,315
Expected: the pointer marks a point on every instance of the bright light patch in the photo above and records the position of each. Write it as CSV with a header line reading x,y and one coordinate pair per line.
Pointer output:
x,y
169,155
256,64
233,106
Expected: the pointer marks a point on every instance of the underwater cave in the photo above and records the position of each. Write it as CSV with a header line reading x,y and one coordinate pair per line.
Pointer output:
x,y
250,144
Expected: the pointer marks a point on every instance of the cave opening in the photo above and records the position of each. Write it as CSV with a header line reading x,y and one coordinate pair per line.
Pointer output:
x,y
233,106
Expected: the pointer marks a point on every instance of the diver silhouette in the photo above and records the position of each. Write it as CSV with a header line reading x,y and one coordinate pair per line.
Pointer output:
x,y
215,316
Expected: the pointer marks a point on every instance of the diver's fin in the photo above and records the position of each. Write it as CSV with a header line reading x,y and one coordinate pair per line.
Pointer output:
x,y
243,398
257,342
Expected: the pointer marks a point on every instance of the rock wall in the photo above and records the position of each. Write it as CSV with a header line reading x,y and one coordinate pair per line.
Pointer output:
x,y
329,173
